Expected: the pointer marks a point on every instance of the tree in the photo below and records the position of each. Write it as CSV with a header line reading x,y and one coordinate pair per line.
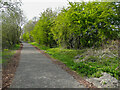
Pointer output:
x,y
118,25
85,24
12,20
28,27
42,30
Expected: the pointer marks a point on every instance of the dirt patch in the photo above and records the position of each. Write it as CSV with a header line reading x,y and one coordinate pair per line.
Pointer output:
x,y
73,73
8,72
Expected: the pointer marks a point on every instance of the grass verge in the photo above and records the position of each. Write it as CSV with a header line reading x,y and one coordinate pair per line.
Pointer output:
x,y
8,53
11,59
90,65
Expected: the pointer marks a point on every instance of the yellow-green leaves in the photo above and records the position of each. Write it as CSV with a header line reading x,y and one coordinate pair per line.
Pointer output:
x,y
12,20
84,24
42,30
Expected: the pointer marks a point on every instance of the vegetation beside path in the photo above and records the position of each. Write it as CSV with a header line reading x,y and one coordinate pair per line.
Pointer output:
x,y
8,53
84,36
87,64
10,61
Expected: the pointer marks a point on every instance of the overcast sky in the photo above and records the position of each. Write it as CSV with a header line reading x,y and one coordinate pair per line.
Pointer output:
x,y
32,8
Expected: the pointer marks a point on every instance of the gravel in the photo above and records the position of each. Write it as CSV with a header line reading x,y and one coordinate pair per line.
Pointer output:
x,y
105,81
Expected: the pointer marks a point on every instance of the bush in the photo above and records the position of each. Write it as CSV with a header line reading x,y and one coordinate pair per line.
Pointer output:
x,y
92,59
97,74
84,69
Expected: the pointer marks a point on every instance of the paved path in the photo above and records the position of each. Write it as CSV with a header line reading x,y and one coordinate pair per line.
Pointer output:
x,y
37,71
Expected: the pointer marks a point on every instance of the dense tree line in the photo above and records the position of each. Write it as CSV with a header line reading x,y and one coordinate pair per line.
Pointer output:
x,y
41,33
82,24
12,20
28,27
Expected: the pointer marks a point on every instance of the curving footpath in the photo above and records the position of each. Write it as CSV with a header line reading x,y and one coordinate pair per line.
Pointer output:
x,y
37,71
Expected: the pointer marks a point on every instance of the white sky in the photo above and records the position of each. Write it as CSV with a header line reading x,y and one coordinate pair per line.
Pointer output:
x,y
32,8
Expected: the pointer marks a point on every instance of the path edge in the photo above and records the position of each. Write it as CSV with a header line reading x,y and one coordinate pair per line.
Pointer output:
x,y
9,72
68,70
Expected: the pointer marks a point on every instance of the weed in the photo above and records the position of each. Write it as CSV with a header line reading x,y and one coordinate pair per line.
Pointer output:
x,y
97,74
91,66
8,53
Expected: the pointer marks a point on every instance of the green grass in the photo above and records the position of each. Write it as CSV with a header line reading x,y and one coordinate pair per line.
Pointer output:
x,y
0,57
93,66
42,47
64,55
8,53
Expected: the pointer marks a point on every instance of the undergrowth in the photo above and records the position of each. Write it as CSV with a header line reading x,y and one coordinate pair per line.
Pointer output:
x,y
92,63
8,53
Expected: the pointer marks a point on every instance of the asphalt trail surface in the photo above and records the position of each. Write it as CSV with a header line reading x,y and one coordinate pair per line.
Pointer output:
x,y
37,71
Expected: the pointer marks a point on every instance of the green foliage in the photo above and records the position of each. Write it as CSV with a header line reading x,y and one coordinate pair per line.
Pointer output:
x,y
92,59
84,69
97,74
91,67
82,24
26,36
42,33
42,47
28,27
86,24
8,53
12,20
119,35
